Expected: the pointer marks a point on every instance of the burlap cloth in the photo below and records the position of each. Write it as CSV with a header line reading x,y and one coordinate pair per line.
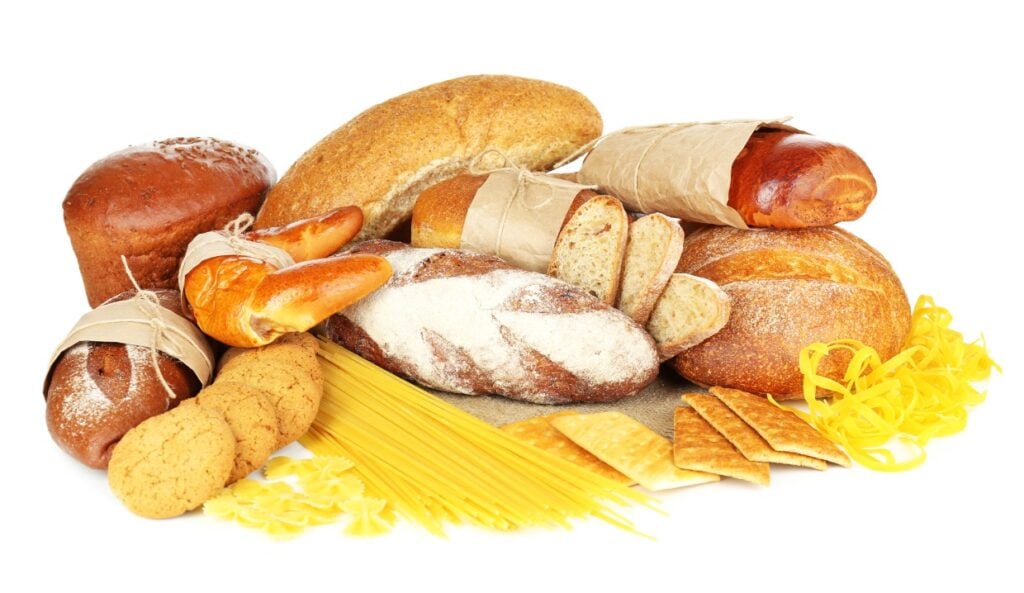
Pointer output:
x,y
653,406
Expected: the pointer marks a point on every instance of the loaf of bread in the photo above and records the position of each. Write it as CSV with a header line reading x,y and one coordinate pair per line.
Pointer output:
x,y
147,202
789,289
785,180
99,391
439,215
470,323
383,158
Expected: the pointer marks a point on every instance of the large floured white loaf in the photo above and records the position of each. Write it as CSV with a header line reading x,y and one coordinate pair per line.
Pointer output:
x,y
471,323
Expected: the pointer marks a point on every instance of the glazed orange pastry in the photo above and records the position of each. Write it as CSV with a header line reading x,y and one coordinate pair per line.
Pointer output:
x,y
246,289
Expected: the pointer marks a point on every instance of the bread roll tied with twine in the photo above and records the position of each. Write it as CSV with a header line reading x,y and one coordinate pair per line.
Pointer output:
x,y
507,211
131,358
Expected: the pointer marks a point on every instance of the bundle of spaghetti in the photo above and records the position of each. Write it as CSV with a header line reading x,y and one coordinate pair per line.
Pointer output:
x,y
435,464
920,393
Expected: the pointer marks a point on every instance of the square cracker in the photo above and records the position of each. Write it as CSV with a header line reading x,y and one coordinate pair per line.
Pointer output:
x,y
699,447
629,447
539,432
783,430
742,436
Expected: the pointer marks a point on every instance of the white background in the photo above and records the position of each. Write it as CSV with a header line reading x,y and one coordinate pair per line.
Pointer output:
x,y
929,96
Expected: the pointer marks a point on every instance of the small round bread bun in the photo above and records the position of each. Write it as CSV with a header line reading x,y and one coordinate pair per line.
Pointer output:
x,y
172,463
252,418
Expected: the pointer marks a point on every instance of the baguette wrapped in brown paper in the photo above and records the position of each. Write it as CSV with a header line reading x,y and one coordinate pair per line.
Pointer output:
x,y
682,170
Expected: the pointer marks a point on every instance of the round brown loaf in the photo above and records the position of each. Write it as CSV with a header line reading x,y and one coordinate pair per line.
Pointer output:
x,y
147,202
383,158
790,288
99,391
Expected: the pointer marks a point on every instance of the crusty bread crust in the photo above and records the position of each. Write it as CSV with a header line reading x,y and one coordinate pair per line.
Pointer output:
x,y
384,157
503,347
147,202
789,289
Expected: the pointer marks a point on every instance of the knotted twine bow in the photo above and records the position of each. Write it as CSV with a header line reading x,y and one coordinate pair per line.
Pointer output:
x,y
229,241
530,192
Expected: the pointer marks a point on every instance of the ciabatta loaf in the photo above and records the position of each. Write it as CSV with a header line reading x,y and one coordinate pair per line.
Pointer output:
x,y
383,158
470,323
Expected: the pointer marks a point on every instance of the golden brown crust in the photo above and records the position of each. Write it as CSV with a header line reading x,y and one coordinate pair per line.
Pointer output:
x,y
790,288
783,179
440,212
384,157
147,202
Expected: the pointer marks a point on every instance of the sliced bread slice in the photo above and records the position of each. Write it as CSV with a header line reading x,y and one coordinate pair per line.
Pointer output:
x,y
652,254
691,310
589,250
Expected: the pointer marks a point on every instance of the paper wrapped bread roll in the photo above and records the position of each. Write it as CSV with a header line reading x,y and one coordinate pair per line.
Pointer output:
x,y
382,159
789,289
735,173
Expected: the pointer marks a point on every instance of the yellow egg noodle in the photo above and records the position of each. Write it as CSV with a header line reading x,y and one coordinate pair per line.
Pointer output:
x,y
433,464
922,392
327,493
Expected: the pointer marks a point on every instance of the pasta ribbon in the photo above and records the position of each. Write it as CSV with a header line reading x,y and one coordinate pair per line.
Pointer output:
x,y
922,392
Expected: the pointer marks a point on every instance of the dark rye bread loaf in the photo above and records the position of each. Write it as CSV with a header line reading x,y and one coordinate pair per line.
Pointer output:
x,y
471,323
147,202
789,289
99,391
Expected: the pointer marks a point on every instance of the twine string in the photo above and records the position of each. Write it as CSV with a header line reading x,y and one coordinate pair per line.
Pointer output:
x,y
149,304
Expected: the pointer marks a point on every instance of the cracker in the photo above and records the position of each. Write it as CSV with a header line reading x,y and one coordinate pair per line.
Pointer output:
x,y
742,436
783,430
629,447
699,447
538,432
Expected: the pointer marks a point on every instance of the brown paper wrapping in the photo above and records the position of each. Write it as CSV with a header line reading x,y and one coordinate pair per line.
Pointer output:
x,y
142,323
217,243
516,215
682,170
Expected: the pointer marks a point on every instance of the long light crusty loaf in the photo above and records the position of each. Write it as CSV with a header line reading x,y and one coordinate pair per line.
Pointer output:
x,y
439,215
382,159
652,254
789,289
591,246
470,323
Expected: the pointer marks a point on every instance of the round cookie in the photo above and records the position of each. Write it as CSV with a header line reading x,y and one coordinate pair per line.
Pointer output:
x,y
293,391
291,376
172,463
252,418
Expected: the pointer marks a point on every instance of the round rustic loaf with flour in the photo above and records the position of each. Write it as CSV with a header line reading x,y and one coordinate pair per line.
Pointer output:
x,y
98,391
789,289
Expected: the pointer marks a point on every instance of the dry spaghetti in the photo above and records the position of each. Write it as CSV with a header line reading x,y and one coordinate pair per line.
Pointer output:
x,y
921,393
435,464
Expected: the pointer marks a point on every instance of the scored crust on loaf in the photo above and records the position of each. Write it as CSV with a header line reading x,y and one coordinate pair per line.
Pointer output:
x,y
691,310
589,251
652,254
384,157
469,323
789,289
